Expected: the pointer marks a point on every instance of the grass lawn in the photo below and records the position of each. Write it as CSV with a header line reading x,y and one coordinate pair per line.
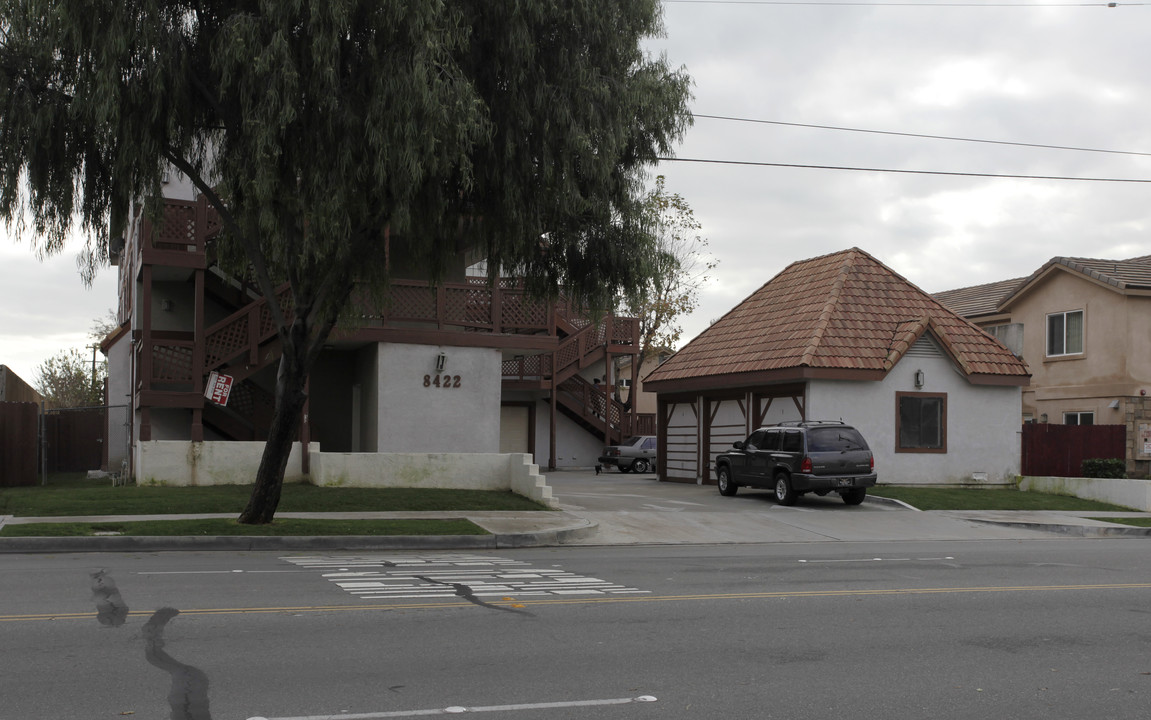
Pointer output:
x,y
987,499
231,527
69,495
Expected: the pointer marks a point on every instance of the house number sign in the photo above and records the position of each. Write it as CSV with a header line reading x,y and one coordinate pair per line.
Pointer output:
x,y
442,381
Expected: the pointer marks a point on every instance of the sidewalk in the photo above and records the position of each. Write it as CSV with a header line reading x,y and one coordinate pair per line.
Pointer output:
x,y
589,528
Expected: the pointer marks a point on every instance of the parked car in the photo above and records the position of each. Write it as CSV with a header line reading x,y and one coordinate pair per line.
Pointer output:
x,y
635,453
794,458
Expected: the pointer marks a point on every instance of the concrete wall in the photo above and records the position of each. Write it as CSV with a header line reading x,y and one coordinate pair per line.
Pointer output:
x,y
173,463
418,417
463,471
1135,494
983,427
170,462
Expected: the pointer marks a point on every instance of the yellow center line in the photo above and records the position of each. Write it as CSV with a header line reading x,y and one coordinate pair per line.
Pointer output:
x,y
594,600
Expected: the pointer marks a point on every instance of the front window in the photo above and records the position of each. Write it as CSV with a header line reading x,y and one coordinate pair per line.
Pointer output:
x,y
1078,418
921,422
1065,333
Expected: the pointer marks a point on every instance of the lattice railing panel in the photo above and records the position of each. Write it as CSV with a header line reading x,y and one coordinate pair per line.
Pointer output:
x,y
528,367
171,361
410,302
226,342
176,229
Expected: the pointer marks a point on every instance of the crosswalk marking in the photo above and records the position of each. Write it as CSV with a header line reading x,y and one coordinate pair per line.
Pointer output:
x,y
383,576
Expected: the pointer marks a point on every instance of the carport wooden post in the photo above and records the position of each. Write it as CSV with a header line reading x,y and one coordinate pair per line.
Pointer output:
x,y
660,436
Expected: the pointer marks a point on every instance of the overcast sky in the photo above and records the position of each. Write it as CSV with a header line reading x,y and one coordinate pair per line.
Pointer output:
x,y
1036,73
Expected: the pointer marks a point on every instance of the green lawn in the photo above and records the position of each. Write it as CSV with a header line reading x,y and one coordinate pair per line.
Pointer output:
x,y
217,527
75,496
987,499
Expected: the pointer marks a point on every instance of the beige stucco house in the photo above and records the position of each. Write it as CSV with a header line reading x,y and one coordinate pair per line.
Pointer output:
x,y
1084,328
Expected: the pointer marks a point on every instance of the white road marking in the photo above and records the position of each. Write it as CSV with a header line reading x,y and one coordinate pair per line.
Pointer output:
x,y
459,709
379,577
860,560
211,572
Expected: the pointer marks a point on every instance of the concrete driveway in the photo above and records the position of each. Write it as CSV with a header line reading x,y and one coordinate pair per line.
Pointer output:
x,y
637,509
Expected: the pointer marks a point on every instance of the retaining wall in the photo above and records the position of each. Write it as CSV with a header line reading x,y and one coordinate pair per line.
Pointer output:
x,y
1135,494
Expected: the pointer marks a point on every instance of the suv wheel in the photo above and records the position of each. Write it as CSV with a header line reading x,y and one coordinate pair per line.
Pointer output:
x,y
854,496
639,466
784,495
723,481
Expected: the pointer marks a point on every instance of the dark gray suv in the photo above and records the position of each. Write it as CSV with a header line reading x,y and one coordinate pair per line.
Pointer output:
x,y
794,458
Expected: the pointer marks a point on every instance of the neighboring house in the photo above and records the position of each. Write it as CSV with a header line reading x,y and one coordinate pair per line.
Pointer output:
x,y
843,337
1084,327
644,401
461,367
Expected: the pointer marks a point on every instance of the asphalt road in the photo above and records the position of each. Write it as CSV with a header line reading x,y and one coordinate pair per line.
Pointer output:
x,y
1053,628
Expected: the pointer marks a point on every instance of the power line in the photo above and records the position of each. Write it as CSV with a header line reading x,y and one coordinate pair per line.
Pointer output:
x,y
917,135
907,4
903,172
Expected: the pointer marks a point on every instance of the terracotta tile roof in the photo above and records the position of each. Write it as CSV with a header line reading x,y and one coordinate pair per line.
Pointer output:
x,y
841,312
978,299
1123,275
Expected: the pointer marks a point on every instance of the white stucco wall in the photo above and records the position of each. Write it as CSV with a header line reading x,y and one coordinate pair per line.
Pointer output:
x,y
983,430
168,462
474,471
119,400
414,417
575,446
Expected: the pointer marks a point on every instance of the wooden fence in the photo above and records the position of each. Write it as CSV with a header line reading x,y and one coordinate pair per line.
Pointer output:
x,y
75,439
18,433
1059,450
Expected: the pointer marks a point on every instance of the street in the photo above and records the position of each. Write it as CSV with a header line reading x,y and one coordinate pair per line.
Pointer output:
x,y
1005,629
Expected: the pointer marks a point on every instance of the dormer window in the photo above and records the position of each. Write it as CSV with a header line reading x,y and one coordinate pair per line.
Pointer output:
x,y
1065,333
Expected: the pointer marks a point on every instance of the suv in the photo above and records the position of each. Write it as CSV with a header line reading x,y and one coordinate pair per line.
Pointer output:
x,y
636,453
793,458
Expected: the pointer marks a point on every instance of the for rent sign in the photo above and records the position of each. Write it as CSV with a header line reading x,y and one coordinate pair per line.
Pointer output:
x,y
219,387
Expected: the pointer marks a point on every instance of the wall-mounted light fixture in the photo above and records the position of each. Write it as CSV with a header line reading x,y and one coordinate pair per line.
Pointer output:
x,y
441,362
166,305
1114,405
918,378
1043,418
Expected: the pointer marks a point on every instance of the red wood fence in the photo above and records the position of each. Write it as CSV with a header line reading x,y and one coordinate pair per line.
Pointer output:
x,y
1059,450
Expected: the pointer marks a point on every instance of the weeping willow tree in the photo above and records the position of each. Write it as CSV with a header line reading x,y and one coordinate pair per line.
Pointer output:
x,y
314,128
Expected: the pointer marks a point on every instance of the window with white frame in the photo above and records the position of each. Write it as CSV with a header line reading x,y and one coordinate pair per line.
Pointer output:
x,y
1065,333
1078,418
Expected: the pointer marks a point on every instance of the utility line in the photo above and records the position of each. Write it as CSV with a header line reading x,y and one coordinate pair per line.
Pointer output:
x,y
903,172
907,4
918,135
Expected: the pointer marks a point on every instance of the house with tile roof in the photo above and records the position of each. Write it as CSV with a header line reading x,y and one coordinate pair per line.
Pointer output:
x,y
844,337
1084,327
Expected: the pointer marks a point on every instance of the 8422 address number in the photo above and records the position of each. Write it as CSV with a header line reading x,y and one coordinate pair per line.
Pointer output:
x,y
442,381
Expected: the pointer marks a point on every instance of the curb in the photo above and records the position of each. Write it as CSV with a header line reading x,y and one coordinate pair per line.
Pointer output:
x,y
1084,531
177,543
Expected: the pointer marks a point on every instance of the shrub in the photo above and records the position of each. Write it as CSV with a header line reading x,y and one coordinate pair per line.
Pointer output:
x,y
1104,468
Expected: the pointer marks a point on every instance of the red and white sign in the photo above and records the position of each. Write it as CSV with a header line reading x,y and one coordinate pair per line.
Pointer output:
x,y
219,387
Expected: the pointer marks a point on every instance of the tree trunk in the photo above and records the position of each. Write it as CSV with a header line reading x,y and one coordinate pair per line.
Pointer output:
x,y
290,397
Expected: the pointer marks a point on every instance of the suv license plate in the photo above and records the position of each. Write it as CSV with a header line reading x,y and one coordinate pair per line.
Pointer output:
x,y
844,482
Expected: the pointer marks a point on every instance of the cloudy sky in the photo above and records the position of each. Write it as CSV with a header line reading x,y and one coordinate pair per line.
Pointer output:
x,y
1036,73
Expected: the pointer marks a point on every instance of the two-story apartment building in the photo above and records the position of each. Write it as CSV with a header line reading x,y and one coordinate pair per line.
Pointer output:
x,y
458,367
1083,326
